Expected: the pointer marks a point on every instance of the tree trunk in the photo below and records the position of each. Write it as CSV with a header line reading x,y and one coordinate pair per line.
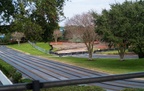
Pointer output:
x,y
90,55
121,51
121,56
56,40
18,43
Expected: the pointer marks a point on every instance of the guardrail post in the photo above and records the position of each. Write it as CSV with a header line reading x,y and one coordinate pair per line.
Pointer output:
x,y
36,85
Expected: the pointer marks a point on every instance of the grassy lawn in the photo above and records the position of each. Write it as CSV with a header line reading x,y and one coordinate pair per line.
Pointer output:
x,y
112,66
43,45
27,48
113,52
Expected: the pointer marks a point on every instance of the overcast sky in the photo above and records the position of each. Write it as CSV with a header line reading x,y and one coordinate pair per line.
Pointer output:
x,y
74,7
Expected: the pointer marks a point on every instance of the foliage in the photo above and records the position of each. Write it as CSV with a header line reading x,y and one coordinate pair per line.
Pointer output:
x,y
137,29
117,25
6,11
6,39
47,15
6,68
31,30
17,77
26,80
33,17
10,71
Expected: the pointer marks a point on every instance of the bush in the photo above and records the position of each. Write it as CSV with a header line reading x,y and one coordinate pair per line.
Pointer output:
x,y
10,71
133,89
16,77
26,80
6,68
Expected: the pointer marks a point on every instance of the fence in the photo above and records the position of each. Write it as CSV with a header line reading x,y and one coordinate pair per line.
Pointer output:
x,y
39,48
36,85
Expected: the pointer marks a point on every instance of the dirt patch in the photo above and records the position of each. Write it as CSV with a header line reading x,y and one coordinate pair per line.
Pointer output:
x,y
67,47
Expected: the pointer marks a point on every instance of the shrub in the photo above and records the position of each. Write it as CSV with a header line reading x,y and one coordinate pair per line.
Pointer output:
x,y
16,77
26,80
10,71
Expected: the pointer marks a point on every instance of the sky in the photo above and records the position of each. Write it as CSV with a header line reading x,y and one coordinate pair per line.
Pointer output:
x,y
74,7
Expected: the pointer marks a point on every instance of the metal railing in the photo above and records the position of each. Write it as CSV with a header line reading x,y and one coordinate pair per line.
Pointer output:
x,y
36,85
39,48
4,79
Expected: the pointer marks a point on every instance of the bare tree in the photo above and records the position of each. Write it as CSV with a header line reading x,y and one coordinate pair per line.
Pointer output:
x,y
73,33
17,36
85,25
57,34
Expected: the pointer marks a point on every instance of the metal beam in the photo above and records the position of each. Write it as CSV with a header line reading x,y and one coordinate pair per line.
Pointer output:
x,y
37,85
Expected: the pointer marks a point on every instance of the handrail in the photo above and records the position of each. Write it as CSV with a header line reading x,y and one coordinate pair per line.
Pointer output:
x,y
38,48
36,85
4,79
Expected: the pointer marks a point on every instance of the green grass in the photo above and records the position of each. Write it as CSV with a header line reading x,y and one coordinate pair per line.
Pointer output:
x,y
112,66
75,88
112,52
43,45
27,48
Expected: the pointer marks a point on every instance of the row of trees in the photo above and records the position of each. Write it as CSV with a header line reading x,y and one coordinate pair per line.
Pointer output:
x,y
122,27
37,19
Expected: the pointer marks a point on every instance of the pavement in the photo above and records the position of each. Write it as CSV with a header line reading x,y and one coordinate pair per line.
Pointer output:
x,y
45,70
105,56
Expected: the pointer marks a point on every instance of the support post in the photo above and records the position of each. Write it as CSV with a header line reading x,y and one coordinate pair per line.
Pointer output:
x,y
36,85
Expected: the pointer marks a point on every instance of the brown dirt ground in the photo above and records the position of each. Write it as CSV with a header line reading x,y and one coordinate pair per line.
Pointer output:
x,y
66,47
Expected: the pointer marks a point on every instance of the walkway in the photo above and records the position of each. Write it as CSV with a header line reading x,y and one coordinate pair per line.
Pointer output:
x,y
46,70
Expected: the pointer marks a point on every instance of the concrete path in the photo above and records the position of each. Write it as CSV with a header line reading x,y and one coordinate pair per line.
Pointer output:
x,y
45,70
105,56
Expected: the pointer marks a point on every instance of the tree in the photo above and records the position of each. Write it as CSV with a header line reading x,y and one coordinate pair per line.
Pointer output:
x,y
31,30
17,36
123,26
57,34
114,26
44,14
85,24
137,30
47,15
73,33
6,11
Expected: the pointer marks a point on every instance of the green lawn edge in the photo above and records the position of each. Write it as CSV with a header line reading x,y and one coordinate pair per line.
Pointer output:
x,y
110,66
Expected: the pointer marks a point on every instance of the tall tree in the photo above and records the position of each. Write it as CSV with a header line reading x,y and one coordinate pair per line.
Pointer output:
x,y
85,24
6,11
114,26
23,22
47,15
123,25
137,30
39,15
